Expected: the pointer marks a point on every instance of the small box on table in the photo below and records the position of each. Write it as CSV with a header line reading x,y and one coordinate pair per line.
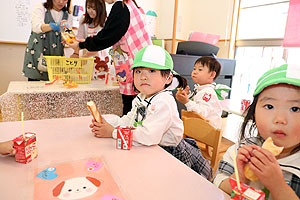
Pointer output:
x,y
124,137
26,149
246,192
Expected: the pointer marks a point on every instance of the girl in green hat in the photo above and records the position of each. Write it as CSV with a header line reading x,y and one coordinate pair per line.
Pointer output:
x,y
275,113
154,110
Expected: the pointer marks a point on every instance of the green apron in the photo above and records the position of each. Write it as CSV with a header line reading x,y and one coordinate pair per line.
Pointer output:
x,y
48,43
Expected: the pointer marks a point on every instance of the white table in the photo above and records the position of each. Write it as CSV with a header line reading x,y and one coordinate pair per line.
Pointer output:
x,y
39,101
141,173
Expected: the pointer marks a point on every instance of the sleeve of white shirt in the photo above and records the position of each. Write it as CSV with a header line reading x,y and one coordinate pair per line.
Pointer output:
x,y
157,122
221,176
81,30
37,17
201,106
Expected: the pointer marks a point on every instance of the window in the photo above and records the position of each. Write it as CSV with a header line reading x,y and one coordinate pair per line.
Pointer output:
x,y
262,21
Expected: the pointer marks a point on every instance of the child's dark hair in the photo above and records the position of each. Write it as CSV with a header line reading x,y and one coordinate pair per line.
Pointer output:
x,y
49,5
250,119
211,63
101,15
250,111
182,81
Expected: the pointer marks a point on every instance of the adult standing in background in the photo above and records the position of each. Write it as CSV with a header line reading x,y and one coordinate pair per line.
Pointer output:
x,y
125,30
45,38
90,24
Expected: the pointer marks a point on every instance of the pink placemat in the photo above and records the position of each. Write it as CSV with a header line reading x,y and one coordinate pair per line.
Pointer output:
x,y
82,179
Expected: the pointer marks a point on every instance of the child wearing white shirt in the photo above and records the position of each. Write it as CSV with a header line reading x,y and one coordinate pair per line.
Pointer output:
x,y
203,99
157,119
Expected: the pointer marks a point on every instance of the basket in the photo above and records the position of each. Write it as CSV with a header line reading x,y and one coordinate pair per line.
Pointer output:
x,y
79,70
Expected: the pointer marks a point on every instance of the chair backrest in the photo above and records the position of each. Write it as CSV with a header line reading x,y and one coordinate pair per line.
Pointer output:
x,y
189,114
198,128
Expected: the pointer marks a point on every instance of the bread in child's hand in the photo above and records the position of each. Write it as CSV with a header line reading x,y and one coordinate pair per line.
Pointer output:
x,y
180,90
93,109
268,145
249,174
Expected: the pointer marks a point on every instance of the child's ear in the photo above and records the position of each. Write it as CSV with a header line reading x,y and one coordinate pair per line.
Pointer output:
x,y
170,78
213,75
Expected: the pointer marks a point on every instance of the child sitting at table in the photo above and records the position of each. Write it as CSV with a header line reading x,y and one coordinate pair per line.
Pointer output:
x,y
157,119
203,99
7,148
275,113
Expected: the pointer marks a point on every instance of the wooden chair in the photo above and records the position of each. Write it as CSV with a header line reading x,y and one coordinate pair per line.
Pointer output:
x,y
208,137
189,114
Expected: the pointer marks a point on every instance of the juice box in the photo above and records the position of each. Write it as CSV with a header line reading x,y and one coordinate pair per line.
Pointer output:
x,y
246,192
124,137
26,149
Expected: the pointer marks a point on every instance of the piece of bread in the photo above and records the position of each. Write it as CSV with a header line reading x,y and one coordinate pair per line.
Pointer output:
x,y
268,145
249,174
93,109
180,90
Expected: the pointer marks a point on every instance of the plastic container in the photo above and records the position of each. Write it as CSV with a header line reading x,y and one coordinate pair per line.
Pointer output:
x,y
79,70
67,33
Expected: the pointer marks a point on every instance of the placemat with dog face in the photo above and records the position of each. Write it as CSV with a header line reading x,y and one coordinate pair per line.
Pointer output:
x,y
83,179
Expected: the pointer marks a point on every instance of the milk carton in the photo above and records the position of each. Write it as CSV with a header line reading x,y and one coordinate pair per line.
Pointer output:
x,y
246,192
124,137
26,149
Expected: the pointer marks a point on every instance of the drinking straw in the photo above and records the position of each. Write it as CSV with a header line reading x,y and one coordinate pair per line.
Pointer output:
x,y
22,123
236,171
123,139
135,109
132,117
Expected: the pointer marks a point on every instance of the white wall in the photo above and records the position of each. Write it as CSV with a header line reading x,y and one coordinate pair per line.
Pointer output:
x,y
11,64
204,16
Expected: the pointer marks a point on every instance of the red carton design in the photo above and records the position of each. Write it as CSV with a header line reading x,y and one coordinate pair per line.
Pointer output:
x,y
246,192
26,149
124,137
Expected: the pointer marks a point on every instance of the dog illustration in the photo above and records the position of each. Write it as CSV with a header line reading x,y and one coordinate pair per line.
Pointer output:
x,y
76,188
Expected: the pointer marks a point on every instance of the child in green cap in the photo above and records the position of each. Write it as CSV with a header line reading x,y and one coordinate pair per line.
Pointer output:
x,y
154,110
275,113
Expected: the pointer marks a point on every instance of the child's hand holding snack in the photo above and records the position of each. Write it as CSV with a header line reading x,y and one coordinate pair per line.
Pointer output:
x,y
182,94
243,157
265,166
7,148
99,126
272,151
102,129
